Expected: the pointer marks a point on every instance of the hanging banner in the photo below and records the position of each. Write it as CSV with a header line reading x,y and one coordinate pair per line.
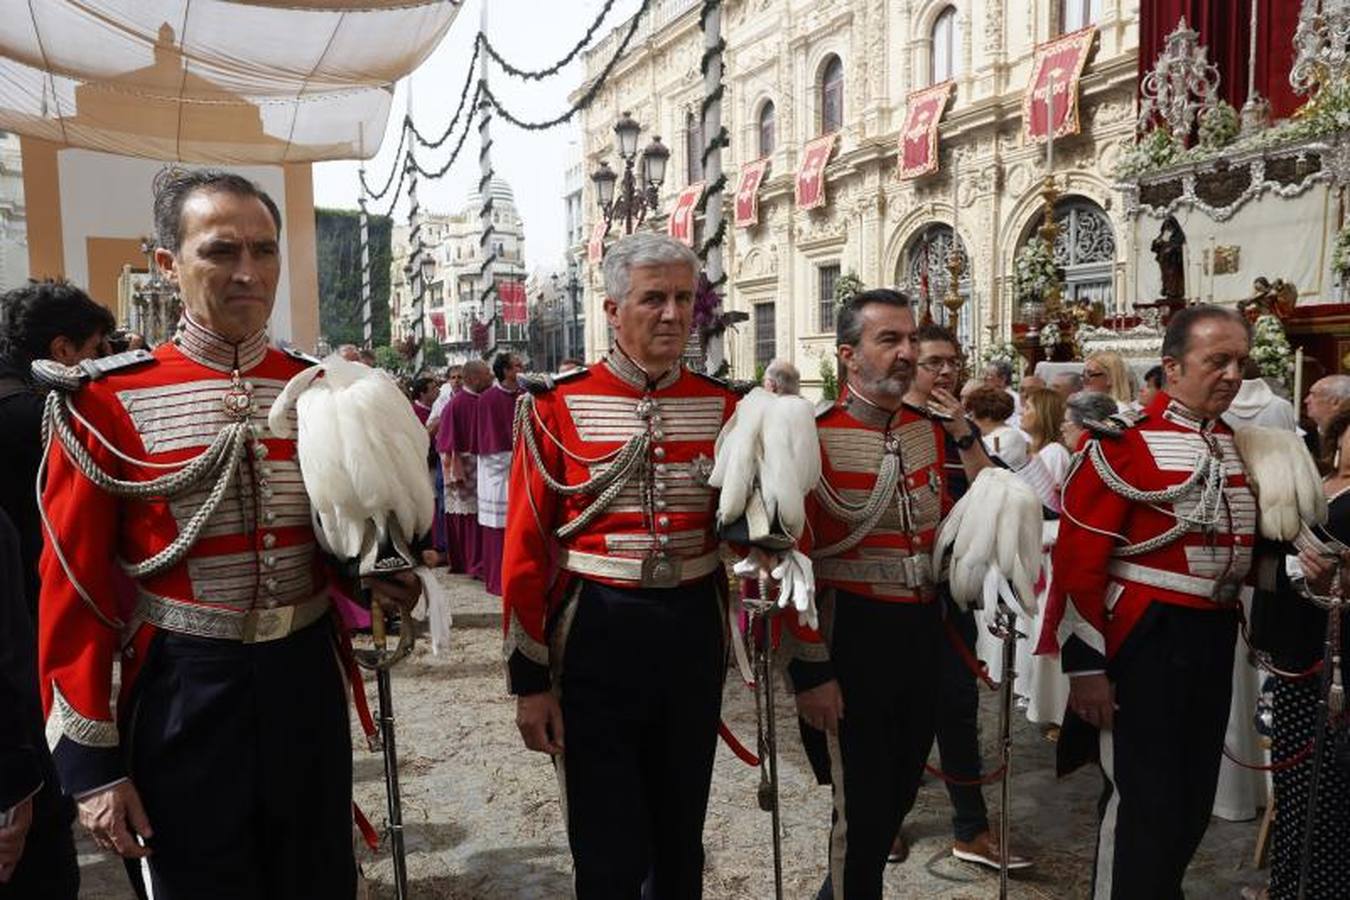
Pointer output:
x,y
747,193
1061,61
811,176
511,297
595,247
438,325
681,224
919,138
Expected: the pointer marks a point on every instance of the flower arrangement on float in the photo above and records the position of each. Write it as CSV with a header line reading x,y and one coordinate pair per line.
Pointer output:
x,y
1271,350
1034,271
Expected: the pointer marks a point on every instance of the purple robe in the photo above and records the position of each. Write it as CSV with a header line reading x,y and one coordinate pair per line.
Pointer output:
x,y
455,438
492,430
438,532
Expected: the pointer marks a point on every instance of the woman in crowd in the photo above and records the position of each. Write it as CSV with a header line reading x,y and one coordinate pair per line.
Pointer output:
x,y
1294,630
1105,372
991,407
1084,406
1042,420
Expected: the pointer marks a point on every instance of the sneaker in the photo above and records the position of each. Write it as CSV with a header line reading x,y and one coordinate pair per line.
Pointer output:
x,y
899,850
984,851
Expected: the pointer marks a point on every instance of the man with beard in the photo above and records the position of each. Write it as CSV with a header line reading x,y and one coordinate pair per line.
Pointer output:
x,y
871,527
1156,538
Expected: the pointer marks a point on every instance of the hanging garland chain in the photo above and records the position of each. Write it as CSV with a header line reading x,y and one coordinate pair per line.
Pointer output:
x,y
365,186
714,240
708,7
719,185
398,191
586,98
540,74
463,96
454,154
723,139
709,54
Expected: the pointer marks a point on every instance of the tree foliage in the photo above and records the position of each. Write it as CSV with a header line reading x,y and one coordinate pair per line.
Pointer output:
x,y
338,235
829,381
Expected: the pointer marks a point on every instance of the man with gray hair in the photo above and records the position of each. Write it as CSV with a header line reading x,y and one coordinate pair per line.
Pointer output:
x,y
782,377
1066,384
613,588
1326,397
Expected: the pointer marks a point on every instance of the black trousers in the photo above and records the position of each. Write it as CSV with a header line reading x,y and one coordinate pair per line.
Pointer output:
x,y
1173,681
885,656
958,732
242,756
48,869
641,693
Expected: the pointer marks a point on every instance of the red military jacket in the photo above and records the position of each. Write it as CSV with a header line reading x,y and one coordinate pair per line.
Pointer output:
x,y
1107,583
664,511
256,551
890,559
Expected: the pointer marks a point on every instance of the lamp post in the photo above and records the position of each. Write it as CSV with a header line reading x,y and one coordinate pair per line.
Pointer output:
x,y
634,201
570,315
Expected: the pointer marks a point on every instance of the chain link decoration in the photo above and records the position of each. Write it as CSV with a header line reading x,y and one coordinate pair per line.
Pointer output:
x,y
220,460
609,483
459,110
541,74
388,182
1208,477
454,154
863,518
591,92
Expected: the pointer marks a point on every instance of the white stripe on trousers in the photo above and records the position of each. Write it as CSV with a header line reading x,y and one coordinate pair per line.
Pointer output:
x,y
1106,836
839,829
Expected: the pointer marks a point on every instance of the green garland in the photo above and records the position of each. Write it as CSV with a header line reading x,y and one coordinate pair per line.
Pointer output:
x,y
1340,256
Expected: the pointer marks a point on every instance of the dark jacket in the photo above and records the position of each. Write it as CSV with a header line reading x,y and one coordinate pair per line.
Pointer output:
x,y
22,745
20,454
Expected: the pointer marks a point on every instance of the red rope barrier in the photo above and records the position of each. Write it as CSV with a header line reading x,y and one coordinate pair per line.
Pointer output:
x,y
976,667
1280,766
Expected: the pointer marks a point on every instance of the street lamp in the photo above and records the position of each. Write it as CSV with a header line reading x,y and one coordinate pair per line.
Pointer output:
x,y
634,201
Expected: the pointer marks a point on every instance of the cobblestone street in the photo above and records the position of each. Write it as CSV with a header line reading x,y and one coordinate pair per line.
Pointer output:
x,y
483,820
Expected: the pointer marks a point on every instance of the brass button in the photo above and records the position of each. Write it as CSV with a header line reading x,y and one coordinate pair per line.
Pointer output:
x,y
269,541
269,517
661,504
663,540
270,561
260,450
659,453
663,521
659,434
271,585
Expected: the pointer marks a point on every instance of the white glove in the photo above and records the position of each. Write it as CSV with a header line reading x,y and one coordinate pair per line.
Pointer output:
x,y
797,586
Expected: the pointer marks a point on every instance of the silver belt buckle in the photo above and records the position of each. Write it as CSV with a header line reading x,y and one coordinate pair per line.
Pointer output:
x,y
661,570
268,624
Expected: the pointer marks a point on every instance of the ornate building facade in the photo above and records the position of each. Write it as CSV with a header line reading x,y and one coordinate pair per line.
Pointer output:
x,y
13,215
452,303
799,69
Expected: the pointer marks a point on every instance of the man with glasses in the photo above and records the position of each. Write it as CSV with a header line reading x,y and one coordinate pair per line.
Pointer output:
x,y
958,735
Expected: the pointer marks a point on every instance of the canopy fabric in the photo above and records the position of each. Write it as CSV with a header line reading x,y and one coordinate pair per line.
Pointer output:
x,y
213,81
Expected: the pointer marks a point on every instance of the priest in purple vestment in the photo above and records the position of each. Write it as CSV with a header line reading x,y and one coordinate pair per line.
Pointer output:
x,y
496,415
457,442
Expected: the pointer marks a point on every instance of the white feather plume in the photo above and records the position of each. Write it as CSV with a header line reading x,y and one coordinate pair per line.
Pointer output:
x,y
995,528
790,465
770,440
737,455
362,454
1284,478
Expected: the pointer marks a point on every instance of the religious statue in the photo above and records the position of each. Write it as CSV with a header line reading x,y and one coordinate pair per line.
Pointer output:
x,y
1169,249
1276,298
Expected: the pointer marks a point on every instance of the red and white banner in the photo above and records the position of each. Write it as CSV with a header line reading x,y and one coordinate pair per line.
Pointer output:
x,y
511,296
438,324
811,175
681,224
747,193
595,247
478,335
919,138
1059,62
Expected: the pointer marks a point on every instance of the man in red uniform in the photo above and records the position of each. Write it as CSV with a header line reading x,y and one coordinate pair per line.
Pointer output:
x,y
613,584
871,527
1155,540
227,767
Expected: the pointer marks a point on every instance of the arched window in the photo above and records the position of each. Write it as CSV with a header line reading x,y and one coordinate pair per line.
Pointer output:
x,y
946,47
693,147
923,271
768,135
832,96
1085,249
1076,14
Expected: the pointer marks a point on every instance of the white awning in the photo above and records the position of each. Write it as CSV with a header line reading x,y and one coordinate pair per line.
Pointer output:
x,y
213,81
